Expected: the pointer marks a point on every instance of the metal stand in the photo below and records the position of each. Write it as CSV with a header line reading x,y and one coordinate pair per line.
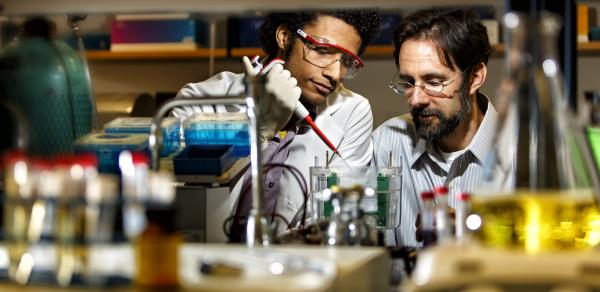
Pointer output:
x,y
258,228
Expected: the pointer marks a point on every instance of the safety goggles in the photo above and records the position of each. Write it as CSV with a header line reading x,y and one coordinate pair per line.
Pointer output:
x,y
322,53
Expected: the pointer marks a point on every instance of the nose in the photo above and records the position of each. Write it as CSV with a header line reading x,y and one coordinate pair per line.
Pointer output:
x,y
419,98
334,72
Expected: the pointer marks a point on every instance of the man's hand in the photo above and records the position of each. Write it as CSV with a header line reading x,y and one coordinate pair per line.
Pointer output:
x,y
275,111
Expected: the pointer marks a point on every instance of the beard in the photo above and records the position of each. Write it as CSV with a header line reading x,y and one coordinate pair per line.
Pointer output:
x,y
432,131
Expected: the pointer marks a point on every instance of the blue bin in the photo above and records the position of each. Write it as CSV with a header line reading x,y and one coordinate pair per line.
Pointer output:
x,y
108,146
137,125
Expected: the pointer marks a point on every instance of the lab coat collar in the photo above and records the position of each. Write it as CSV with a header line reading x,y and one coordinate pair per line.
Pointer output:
x,y
335,100
325,119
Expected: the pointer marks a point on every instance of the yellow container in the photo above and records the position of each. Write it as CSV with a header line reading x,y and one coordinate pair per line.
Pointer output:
x,y
539,221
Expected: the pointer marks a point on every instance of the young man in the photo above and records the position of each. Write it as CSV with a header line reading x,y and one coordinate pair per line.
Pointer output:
x,y
320,50
442,57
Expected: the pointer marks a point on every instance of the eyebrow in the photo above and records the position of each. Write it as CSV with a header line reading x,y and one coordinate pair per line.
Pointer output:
x,y
426,76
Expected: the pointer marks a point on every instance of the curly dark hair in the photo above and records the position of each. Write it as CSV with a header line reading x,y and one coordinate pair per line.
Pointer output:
x,y
364,21
458,34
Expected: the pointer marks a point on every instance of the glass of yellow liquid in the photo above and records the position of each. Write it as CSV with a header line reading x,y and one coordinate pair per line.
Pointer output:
x,y
538,221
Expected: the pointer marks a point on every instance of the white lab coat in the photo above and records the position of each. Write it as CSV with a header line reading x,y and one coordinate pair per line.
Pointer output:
x,y
346,120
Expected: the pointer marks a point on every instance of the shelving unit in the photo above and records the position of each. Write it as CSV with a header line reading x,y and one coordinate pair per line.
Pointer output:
x,y
201,53
376,51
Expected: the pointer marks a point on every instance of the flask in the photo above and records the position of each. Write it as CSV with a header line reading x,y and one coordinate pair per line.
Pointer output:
x,y
537,191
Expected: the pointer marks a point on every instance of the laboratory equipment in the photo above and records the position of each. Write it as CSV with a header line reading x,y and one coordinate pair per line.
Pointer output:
x,y
348,224
141,125
204,159
381,209
46,80
258,229
55,210
540,189
107,147
218,129
300,110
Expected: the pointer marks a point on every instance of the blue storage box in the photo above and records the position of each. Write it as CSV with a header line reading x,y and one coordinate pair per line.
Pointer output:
x,y
157,31
387,24
108,146
204,159
219,129
243,31
135,125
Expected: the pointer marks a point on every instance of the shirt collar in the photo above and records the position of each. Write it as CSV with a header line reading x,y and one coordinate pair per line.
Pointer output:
x,y
480,144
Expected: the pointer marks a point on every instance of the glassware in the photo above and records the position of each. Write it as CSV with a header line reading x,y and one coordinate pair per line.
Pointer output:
x,y
380,210
538,192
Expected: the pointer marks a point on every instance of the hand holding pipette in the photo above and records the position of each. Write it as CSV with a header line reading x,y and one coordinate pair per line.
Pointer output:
x,y
299,109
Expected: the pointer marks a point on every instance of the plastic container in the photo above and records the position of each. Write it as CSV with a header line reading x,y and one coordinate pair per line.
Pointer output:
x,y
204,159
136,125
107,147
219,129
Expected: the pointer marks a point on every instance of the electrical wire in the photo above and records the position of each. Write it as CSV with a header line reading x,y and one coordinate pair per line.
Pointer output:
x,y
300,179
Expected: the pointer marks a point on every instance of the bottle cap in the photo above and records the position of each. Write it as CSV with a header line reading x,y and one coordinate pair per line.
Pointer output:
x,y
427,195
441,191
86,160
140,158
464,197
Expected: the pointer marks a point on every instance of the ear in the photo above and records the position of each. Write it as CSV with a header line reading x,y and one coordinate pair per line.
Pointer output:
x,y
282,36
478,76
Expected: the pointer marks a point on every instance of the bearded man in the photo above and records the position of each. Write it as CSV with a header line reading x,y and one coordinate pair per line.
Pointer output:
x,y
441,57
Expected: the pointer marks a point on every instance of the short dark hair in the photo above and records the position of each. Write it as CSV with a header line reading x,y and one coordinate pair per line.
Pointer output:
x,y
460,37
364,21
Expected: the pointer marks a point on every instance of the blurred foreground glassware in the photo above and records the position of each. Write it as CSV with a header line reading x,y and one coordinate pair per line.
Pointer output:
x,y
381,210
149,221
55,210
538,192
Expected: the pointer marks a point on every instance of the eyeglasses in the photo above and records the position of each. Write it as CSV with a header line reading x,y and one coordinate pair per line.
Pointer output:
x,y
322,53
431,87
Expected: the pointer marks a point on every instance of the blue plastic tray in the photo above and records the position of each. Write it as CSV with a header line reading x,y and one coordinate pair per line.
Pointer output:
x,y
219,129
138,125
108,146
204,159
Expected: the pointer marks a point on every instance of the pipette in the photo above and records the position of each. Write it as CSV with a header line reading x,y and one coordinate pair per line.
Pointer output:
x,y
300,111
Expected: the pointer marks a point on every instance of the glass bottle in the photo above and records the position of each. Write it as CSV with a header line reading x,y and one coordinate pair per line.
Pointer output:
x,y
537,191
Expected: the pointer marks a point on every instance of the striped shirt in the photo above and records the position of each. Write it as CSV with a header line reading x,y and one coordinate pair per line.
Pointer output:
x,y
424,168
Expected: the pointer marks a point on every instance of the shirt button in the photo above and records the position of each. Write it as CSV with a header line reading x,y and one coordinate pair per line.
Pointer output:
x,y
271,185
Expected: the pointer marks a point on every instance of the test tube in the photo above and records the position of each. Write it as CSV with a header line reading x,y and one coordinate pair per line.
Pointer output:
x,y
461,215
427,219
442,222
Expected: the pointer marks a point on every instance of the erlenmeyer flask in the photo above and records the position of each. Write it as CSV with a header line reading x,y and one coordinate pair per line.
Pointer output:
x,y
537,191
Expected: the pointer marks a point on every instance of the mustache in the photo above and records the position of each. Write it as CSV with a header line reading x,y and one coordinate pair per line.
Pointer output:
x,y
426,111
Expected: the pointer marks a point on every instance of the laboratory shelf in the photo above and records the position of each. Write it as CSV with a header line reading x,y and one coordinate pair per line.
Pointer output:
x,y
200,53
373,51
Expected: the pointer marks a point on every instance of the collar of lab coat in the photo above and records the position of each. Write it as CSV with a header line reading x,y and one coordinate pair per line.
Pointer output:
x,y
325,119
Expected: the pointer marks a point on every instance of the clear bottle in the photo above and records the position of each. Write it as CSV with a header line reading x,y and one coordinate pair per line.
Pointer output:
x,y
157,247
442,215
428,219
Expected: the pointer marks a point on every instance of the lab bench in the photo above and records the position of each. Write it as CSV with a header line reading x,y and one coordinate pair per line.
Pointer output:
x,y
327,269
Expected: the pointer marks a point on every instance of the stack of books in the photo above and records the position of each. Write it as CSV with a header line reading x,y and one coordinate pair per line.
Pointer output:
x,y
157,32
